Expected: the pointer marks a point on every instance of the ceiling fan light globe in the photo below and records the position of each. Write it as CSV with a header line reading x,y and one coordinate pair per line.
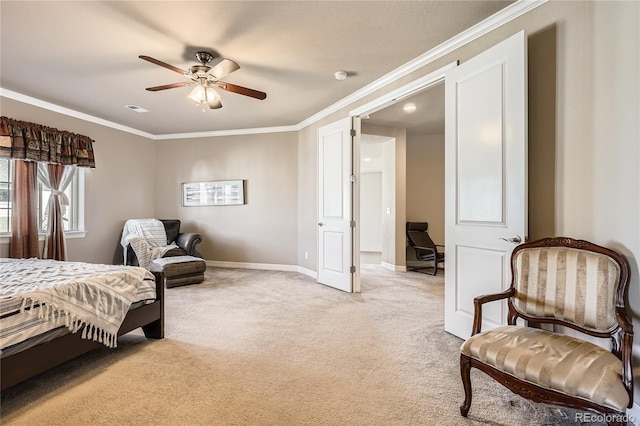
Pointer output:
x,y
211,94
198,94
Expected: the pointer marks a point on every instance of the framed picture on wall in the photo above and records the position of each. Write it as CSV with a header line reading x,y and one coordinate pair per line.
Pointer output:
x,y
215,193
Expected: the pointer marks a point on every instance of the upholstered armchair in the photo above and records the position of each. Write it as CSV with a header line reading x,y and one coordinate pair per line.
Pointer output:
x,y
185,242
559,282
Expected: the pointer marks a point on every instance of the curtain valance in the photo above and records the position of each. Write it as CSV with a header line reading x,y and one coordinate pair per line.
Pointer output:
x,y
22,140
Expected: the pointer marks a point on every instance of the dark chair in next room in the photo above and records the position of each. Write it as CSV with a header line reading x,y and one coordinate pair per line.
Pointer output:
x,y
426,250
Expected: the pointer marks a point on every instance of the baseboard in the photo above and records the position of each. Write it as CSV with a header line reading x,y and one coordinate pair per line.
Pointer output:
x,y
247,265
307,272
262,266
392,267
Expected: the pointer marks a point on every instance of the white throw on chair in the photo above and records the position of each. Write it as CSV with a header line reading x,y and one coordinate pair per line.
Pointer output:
x,y
147,238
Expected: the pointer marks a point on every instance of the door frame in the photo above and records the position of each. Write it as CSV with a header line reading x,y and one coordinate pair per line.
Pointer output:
x,y
419,85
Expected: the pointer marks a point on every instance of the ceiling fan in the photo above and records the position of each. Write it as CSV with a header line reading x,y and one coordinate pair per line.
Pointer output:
x,y
206,78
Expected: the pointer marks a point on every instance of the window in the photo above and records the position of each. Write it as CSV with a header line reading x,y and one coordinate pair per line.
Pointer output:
x,y
72,215
5,195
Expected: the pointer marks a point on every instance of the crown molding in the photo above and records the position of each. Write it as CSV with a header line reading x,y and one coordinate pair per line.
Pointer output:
x,y
496,20
230,132
403,92
10,94
509,13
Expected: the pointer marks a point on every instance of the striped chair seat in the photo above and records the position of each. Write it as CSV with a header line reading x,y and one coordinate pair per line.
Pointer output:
x,y
554,361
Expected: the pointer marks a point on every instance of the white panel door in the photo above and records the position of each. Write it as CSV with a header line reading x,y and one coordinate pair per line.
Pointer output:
x,y
485,179
335,238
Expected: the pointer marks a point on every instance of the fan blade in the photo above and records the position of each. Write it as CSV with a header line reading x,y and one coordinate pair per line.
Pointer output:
x,y
215,104
170,86
223,69
163,64
241,90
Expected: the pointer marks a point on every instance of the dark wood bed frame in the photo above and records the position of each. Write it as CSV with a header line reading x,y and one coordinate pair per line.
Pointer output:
x,y
37,359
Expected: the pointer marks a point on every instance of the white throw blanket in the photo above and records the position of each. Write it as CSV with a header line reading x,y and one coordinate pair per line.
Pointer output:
x,y
97,297
147,238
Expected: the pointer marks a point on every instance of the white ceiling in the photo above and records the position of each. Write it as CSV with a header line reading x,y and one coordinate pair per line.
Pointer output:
x,y
84,55
428,117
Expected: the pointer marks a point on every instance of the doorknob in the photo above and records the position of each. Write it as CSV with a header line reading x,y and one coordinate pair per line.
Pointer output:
x,y
515,239
320,224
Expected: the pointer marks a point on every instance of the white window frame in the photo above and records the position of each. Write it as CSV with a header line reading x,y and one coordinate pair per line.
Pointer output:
x,y
77,201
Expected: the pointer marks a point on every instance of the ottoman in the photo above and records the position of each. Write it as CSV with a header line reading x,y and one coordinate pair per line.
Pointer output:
x,y
180,270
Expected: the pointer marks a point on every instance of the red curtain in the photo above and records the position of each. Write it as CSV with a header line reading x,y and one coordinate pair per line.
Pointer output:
x,y
24,219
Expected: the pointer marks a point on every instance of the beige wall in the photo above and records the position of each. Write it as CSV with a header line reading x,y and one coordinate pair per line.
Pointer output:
x,y
125,185
425,182
610,173
542,136
307,198
120,187
264,230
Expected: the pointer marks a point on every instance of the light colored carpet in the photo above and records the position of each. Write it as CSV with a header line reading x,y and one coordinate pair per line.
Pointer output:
x,y
276,348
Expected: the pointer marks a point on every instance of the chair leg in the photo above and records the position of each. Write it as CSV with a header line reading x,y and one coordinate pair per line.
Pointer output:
x,y
465,372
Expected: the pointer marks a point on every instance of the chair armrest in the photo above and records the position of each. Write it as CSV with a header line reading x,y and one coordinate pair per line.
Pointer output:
x,y
425,248
132,259
480,300
188,241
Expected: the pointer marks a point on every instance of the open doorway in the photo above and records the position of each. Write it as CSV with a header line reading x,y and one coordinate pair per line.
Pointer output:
x,y
401,177
376,185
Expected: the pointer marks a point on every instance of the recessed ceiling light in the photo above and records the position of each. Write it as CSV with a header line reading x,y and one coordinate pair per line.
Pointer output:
x,y
136,108
409,108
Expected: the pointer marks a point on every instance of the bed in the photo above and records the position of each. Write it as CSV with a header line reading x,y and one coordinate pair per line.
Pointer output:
x,y
52,311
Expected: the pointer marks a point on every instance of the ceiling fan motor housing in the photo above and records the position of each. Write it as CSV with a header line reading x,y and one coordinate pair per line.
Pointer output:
x,y
199,69
204,57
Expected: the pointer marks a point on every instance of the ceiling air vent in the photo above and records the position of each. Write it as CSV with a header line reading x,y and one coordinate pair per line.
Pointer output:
x,y
136,108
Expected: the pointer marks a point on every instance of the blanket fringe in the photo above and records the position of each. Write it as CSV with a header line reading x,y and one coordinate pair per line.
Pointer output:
x,y
73,323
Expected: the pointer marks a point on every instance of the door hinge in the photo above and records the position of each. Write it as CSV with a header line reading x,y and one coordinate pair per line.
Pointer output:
x,y
353,133
352,224
352,269
352,178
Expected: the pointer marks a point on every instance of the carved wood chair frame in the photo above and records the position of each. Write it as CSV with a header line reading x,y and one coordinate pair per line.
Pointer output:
x,y
621,338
